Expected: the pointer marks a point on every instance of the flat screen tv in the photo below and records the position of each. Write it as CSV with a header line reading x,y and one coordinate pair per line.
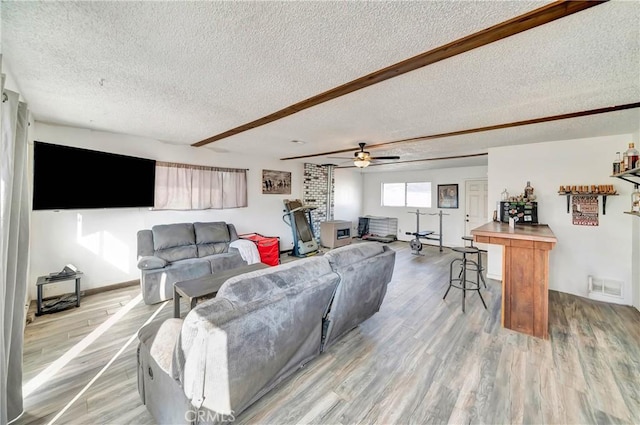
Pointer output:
x,y
72,178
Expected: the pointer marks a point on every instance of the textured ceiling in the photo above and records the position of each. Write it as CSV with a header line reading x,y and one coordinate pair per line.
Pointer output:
x,y
183,71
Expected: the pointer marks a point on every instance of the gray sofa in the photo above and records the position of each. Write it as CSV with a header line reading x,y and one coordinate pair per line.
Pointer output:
x,y
170,253
261,327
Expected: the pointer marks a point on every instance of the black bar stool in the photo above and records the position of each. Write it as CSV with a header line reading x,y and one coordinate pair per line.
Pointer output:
x,y
461,281
479,261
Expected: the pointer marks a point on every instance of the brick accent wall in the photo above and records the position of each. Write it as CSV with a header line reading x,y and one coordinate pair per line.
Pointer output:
x,y
315,193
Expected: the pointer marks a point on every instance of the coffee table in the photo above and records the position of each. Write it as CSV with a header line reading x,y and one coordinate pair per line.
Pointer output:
x,y
206,285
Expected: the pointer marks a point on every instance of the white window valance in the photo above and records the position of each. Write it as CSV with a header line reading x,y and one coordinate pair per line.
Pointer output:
x,y
197,187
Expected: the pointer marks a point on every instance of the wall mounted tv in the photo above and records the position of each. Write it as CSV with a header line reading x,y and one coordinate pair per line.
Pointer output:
x,y
72,178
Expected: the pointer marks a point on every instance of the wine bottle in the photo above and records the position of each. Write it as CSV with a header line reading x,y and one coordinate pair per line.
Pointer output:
x,y
635,200
616,164
528,190
632,156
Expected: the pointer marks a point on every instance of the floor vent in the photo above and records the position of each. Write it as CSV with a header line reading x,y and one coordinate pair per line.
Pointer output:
x,y
605,289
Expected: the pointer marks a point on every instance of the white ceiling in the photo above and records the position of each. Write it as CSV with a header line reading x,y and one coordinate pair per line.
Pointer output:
x,y
184,71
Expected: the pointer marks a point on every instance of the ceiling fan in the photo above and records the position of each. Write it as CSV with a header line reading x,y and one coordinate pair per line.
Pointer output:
x,y
362,158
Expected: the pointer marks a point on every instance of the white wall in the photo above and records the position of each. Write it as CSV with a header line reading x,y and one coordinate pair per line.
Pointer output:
x,y
602,251
635,270
453,225
347,198
102,242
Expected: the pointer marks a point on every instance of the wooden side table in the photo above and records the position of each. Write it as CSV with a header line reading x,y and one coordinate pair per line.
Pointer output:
x,y
46,280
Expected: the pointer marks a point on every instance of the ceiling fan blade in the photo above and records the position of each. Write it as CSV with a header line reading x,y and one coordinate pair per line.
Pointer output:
x,y
340,157
384,157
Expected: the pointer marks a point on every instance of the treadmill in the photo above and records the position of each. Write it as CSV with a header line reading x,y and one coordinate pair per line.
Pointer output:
x,y
298,217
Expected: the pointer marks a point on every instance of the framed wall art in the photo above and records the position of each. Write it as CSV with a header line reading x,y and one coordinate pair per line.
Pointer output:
x,y
447,196
276,182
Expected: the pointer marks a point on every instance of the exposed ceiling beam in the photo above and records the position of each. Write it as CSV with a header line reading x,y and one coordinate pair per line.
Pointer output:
x,y
419,160
480,129
535,18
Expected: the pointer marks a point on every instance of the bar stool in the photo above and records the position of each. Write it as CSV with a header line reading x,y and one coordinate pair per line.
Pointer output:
x,y
479,261
468,239
466,265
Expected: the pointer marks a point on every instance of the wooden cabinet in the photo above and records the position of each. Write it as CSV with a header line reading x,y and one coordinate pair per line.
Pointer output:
x,y
525,274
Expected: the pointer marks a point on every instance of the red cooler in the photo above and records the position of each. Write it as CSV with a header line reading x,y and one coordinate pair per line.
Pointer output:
x,y
268,247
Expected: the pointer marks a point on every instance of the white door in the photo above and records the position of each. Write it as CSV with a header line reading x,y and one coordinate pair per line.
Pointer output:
x,y
476,205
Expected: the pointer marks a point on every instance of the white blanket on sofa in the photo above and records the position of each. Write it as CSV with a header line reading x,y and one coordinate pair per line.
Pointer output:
x,y
248,250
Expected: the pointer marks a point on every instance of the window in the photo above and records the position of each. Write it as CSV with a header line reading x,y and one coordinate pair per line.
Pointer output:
x,y
416,194
193,187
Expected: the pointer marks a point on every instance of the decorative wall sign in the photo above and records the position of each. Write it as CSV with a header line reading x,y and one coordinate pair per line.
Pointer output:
x,y
585,210
276,182
447,196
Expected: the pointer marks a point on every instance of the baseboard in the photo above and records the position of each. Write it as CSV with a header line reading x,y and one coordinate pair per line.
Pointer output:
x,y
494,276
93,291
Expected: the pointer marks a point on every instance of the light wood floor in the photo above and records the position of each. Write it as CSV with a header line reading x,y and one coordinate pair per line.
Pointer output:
x,y
419,360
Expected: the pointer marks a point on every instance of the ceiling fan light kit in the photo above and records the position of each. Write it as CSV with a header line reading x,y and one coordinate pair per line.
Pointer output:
x,y
361,163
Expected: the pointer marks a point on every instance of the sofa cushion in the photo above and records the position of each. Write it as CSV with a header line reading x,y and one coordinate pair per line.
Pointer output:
x,y
265,283
211,232
212,249
173,242
172,235
178,253
212,238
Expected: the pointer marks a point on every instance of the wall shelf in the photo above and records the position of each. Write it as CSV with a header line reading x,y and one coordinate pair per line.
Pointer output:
x,y
631,176
604,199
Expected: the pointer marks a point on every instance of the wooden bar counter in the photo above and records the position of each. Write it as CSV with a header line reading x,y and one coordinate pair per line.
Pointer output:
x,y
525,274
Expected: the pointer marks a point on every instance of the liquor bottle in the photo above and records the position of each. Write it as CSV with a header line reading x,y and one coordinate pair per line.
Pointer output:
x,y
528,190
616,164
632,157
624,163
635,200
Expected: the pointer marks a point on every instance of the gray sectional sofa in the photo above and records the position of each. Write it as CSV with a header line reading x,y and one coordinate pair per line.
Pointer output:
x,y
260,328
170,253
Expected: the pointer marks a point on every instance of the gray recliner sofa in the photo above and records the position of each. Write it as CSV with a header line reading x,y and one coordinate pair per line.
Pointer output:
x,y
169,253
261,328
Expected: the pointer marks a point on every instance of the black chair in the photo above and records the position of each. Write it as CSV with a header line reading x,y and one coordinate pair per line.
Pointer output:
x,y
466,265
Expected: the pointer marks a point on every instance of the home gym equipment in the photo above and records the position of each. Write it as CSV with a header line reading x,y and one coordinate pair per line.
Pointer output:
x,y
415,243
298,217
439,235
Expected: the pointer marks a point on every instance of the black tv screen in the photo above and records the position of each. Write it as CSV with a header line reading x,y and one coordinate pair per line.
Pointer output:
x,y
72,178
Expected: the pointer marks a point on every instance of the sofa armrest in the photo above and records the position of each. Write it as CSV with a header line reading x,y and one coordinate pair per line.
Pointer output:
x,y
160,337
151,262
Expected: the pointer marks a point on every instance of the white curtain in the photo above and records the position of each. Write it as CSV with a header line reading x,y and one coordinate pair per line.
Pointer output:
x,y
14,250
192,187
